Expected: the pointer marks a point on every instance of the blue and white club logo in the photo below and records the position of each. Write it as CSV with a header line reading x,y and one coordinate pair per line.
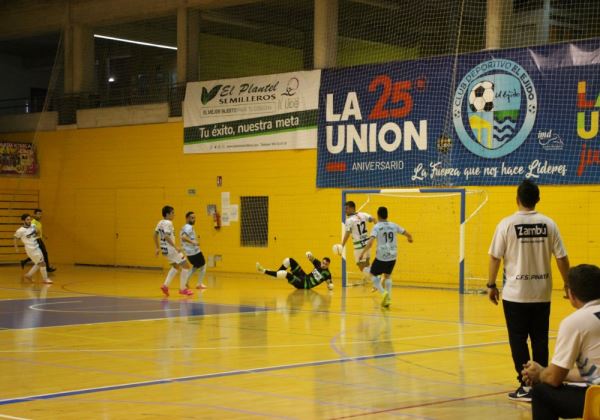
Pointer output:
x,y
494,108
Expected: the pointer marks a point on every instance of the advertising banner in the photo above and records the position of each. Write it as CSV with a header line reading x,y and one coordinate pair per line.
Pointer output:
x,y
18,159
257,113
489,118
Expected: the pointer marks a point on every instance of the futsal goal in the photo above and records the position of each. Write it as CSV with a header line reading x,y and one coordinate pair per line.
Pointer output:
x,y
449,248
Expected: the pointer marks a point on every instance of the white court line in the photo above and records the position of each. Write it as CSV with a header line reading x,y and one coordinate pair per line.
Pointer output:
x,y
247,371
4,416
138,350
36,307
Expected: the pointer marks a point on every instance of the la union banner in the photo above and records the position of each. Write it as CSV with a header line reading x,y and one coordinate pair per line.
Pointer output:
x,y
487,118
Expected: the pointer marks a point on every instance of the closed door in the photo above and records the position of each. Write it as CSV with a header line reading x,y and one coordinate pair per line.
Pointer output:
x,y
94,234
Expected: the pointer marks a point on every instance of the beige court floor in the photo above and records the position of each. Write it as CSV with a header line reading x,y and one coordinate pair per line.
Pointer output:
x,y
102,343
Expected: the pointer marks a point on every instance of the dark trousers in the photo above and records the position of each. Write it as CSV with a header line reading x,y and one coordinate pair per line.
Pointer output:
x,y
525,320
297,276
549,403
44,253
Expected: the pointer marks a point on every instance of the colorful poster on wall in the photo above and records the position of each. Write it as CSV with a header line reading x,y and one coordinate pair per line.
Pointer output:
x,y
273,112
18,159
489,118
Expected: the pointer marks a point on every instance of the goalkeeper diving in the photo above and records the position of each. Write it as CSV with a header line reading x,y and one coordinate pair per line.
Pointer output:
x,y
293,273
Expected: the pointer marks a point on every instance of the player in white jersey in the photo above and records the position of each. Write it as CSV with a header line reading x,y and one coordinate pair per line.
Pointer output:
x,y
385,233
576,353
526,241
355,225
29,236
191,247
164,233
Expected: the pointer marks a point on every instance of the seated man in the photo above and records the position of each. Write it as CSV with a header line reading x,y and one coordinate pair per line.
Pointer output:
x,y
297,277
576,354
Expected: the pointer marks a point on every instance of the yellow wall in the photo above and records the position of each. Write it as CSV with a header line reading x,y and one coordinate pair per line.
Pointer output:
x,y
97,183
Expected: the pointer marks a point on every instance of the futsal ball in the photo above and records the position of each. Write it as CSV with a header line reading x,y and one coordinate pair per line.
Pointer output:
x,y
481,98
337,249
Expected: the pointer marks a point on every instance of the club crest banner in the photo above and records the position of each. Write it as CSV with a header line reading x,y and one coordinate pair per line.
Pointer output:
x,y
489,118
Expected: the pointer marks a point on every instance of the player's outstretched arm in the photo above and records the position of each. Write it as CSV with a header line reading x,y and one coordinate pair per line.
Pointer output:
x,y
408,236
345,238
186,238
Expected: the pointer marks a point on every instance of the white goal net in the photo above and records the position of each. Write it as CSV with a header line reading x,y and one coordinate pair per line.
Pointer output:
x,y
449,248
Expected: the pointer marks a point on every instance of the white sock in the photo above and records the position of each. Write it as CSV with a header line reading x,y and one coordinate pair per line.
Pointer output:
x,y
190,274
170,276
44,272
377,284
201,274
183,277
388,286
33,270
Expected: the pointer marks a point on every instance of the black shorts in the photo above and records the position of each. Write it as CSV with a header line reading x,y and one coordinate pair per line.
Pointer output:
x,y
382,267
197,260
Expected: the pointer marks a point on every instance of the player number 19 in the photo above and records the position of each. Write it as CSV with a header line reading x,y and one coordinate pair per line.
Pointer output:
x,y
389,236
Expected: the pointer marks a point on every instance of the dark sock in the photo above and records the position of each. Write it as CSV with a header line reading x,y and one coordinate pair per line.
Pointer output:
x,y
271,273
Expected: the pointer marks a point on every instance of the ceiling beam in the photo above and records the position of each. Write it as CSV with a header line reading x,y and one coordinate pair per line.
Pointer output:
x,y
26,18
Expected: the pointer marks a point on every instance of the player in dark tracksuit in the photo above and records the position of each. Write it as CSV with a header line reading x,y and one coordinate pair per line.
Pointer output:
x,y
297,277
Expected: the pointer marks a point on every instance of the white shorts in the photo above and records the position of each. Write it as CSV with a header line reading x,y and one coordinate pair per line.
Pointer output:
x,y
175,257
36,256
357,253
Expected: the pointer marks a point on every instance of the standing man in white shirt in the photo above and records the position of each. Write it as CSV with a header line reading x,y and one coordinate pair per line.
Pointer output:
x,y
29,236
164,231
355,225
526,241
576,354
191,247
385,233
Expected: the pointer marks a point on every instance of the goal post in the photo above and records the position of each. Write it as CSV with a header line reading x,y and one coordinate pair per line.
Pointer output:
x,y
437,218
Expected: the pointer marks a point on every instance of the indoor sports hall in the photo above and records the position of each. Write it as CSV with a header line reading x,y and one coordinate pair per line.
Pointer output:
x,y
265,118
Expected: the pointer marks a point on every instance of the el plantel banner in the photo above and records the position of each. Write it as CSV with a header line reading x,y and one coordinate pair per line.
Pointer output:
x,y
257,113
489,118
